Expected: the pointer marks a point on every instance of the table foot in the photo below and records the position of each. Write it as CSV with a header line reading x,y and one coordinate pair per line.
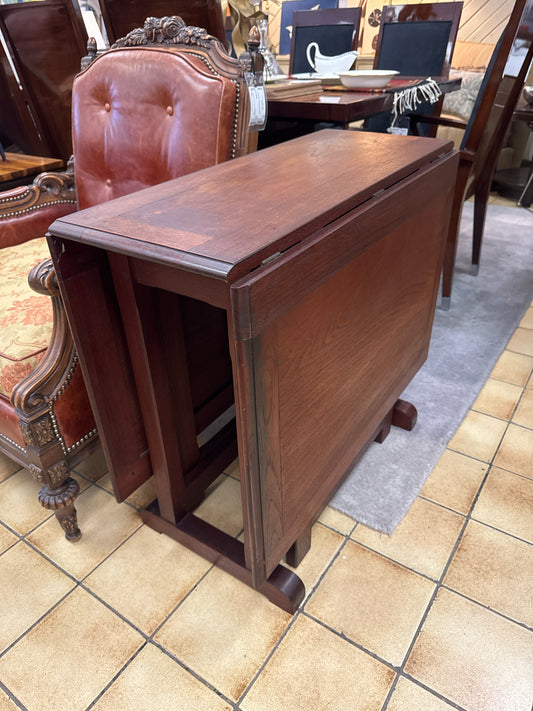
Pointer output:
x,y
404,415
283,588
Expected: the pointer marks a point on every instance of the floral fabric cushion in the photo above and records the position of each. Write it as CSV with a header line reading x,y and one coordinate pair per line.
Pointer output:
x,y
25,316
460,103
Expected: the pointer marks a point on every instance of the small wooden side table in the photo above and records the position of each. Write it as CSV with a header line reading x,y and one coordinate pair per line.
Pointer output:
x,y
18,168
308,308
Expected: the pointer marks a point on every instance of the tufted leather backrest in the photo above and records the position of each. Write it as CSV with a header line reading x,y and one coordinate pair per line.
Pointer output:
x,y
144,115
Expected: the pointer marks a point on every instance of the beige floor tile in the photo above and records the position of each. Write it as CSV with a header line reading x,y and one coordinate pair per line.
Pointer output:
x,y
7,467
496,570
70,656
336,520
513,368
147,577
6,704
144,495
506,502
478,436
524,412
423,541
29,587
498,399
104,525
516,451
222,507
19,506
223,631
474,657
408,696
94,467
105,482
7,539
140,498
233,469
527,321
324,544
316,669
373,601
154,682
455,481
521,341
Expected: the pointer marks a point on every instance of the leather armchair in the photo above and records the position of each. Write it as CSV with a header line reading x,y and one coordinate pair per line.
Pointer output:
x,y
164,101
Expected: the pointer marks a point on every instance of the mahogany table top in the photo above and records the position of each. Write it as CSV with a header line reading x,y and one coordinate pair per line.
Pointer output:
x,y
187,224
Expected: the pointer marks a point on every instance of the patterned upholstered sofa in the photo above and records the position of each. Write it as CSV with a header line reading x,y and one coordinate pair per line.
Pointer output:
x,y
164,102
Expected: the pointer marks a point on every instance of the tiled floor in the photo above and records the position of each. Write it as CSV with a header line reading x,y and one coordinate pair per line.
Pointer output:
x,y
437,616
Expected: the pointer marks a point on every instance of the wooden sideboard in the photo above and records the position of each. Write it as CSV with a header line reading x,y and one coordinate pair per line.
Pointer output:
x,y
290,292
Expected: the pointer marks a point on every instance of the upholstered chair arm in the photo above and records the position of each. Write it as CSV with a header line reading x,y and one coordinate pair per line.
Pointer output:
x,y
28,211
28,395
53,411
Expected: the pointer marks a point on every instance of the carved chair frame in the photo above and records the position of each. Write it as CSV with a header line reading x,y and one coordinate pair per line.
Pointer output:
x,y
46,455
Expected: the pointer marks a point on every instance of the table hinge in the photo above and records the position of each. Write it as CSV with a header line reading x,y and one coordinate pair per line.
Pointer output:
x,y
272,257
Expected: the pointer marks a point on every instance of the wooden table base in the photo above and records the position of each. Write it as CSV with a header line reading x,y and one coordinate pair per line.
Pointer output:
x,y
283,587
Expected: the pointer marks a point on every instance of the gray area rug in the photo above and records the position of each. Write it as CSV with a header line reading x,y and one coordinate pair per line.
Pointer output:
x,y
465,344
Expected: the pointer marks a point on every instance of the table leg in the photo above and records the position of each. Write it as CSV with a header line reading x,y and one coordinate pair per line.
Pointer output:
x,y
299,548
283,588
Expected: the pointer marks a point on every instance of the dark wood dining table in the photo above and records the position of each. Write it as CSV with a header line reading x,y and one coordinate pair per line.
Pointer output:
x,y
340,106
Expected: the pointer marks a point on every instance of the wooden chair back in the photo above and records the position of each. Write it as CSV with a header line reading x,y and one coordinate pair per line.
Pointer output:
x,y
46,41
485,132
499,92
120,16
335,30
418,40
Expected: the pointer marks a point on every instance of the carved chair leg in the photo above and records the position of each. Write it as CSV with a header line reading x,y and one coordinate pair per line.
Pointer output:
x,y
61,501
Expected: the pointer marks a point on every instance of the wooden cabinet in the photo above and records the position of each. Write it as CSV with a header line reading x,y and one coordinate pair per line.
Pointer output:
x,y
296,285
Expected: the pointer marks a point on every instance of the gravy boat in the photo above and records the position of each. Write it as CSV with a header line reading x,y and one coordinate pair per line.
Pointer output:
x,y
323,64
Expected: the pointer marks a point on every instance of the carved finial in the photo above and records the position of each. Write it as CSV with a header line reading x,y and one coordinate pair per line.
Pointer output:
x,y
254,37
253,58
166,30
91,53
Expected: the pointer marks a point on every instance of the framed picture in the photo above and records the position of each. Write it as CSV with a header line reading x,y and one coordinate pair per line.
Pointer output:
x,y
287,8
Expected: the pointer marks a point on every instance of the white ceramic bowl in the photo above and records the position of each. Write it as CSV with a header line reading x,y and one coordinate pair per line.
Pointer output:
x,y
366,79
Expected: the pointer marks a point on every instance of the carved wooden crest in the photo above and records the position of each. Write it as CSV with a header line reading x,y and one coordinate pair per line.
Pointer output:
x,y
166,30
